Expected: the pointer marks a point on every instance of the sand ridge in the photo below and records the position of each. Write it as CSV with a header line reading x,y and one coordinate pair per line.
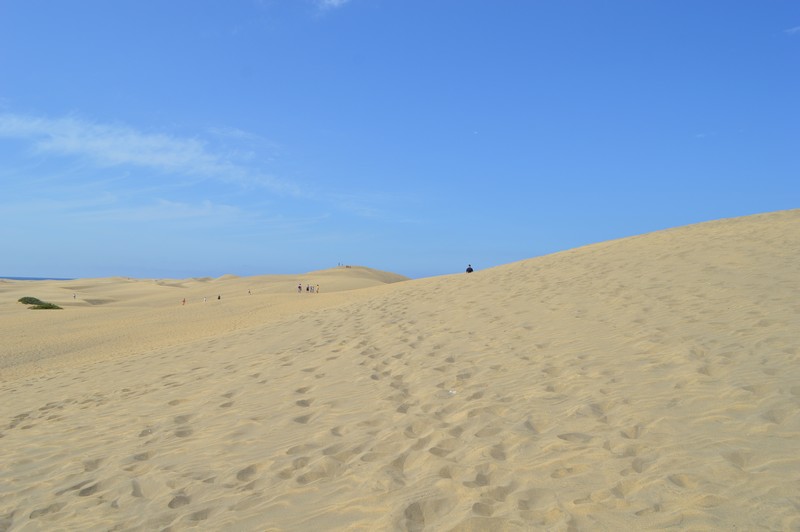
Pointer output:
x,y
644,383
123,316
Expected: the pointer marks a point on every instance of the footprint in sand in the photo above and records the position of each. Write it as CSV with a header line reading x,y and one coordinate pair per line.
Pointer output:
x,y
91,490
418,513
739,459
633,433
623,488
328,468
136,489
403,408
421,443
339,431
19,418
300,449
73,488
445,447
501,493
44,511
482,509
489,431
576,437
481,480
563,472
247,473
498,452
775,415
638,465
91,465
179,500
682,481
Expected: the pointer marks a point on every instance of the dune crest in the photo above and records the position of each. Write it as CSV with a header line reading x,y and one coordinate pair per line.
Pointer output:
x,y
648,382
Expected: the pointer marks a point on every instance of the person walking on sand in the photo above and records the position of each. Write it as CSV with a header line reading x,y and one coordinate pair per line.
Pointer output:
x,y
184,300
469,268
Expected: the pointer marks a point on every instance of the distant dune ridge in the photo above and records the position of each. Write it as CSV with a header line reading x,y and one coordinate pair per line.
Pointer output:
x,y
644,383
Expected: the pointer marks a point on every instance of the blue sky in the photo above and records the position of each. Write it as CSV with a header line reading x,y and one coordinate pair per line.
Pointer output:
x,y
192,138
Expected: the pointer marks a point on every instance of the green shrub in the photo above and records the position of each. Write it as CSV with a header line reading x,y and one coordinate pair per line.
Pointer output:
x,y
38,304
45,306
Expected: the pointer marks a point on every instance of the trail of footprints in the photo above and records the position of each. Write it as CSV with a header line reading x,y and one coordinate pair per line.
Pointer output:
x,y
396,449
424,427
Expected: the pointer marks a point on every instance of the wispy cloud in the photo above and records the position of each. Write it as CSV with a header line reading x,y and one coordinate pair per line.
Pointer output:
x,y
332,4
792,31
166,210
114,154
117,145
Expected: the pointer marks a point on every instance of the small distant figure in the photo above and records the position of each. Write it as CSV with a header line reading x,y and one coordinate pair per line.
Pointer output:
x,y
74,295
219,297
299,288
318,289
184,300
205,299
249,293
469,268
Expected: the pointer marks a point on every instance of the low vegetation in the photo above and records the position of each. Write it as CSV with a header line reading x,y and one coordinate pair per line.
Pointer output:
x,y
37,303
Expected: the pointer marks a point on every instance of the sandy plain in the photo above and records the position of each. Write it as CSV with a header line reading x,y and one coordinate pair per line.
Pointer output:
x,y
646,383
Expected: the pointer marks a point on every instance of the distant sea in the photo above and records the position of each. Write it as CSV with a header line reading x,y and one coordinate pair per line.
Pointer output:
x,y
37,278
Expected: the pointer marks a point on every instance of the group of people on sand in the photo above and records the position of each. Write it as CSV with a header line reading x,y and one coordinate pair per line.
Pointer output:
x,y
204,299
310,288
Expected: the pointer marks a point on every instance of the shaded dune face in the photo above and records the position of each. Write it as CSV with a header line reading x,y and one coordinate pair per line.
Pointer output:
x,y
643,383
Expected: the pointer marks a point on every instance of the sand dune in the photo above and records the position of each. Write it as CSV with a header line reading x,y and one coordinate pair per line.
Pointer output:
x,y
645,383
132,316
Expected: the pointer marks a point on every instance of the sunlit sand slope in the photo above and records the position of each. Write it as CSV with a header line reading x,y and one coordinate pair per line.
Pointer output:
x,y
118,316
646,383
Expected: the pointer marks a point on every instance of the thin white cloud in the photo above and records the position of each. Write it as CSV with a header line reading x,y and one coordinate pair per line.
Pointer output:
x,y
791,31
166,210
224,155
116,145
332,4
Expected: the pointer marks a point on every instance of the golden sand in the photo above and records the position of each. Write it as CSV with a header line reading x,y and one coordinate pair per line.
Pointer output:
x,y
646,383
